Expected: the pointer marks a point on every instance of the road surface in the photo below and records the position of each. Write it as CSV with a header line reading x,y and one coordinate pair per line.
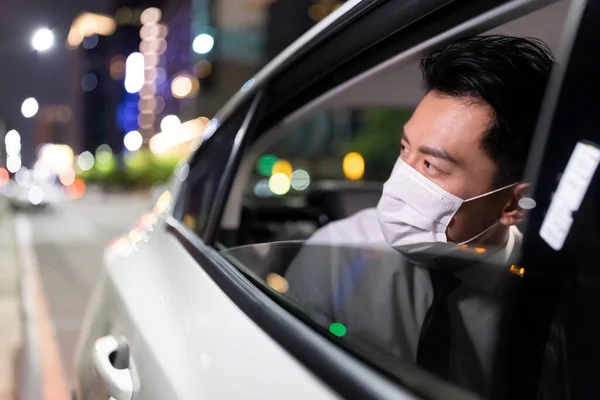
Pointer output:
x,y
68,241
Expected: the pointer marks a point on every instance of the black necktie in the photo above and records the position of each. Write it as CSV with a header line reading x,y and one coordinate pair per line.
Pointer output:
x,y
433,352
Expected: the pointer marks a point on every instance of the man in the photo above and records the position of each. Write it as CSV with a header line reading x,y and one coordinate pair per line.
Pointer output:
x,y
458,179
468,138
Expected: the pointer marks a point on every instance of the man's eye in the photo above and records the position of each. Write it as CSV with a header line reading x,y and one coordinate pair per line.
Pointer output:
x,y
428,165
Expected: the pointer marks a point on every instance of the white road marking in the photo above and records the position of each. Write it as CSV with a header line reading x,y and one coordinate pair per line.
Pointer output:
x,y
44,375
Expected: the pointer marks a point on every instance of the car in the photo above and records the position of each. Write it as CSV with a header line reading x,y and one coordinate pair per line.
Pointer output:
x,y
38,195
194,301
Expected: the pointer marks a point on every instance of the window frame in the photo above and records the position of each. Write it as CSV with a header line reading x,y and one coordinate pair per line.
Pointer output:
x,y
342,372
197,160
546,281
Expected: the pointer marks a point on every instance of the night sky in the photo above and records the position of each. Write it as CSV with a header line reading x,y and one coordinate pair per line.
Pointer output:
x,y
24,72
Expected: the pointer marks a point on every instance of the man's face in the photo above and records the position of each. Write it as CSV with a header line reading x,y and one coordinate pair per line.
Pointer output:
x,y
442,141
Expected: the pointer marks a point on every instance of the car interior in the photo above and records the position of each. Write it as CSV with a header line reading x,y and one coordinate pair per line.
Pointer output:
x,y
249,219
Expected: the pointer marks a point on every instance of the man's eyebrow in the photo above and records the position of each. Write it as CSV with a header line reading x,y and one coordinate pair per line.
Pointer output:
x,y
438,153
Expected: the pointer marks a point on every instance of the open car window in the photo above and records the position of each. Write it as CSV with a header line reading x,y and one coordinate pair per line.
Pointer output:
x,y
374,301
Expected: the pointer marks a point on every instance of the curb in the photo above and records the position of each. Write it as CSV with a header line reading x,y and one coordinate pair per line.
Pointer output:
x,y
31,380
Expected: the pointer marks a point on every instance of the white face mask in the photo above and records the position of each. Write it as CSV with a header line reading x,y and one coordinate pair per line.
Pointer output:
x,y
413,209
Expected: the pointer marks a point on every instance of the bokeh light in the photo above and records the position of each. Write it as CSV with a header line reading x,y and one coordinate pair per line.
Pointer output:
x,y
133,141
150,61
117,67
29,107
338,329
13,163
67,177
184,86
261,188
279,184
42,39
282,167
76,189
104,154
277,282
163,203
57,157
85,161
88,24
89,82
203,43
181,86
150,16
13,147
317,12
123,15
203,68
35,195
353,166
300,179
12,136
147,33
265,164
134,72
24,176
42,172
90,42
170,123
4,176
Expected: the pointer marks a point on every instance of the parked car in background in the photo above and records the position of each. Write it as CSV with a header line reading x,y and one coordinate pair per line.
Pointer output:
x,y
194,303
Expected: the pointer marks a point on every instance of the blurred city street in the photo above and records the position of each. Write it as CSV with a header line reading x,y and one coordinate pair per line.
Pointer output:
x,y
103,102
68,240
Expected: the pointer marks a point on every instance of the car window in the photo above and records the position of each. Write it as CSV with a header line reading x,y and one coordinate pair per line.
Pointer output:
x,y
374,301
203,178
323,170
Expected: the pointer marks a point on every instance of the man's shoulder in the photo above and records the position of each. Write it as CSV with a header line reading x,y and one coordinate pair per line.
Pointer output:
x,y
360,228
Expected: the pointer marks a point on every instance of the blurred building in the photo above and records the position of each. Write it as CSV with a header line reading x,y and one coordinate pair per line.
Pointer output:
x,y
220,44
103,110
53,125
149,61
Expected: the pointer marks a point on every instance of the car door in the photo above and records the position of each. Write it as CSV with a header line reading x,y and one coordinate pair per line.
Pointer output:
x,y
134,340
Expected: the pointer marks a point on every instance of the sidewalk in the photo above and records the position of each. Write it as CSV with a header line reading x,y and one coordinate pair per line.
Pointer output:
x,y
10,308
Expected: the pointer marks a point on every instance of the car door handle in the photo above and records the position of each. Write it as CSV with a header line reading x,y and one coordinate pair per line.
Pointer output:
x,y
111,362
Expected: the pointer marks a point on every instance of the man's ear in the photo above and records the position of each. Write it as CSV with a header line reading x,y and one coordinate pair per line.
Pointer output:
x,y
512,214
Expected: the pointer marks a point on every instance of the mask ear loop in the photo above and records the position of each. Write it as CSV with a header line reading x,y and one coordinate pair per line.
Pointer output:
x,y
486,230
492,192
495,223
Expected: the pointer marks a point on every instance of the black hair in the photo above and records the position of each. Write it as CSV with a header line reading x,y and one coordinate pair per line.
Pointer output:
x,y
508,73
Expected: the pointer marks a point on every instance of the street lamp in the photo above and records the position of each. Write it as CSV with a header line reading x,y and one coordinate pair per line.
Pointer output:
x,y
42,39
